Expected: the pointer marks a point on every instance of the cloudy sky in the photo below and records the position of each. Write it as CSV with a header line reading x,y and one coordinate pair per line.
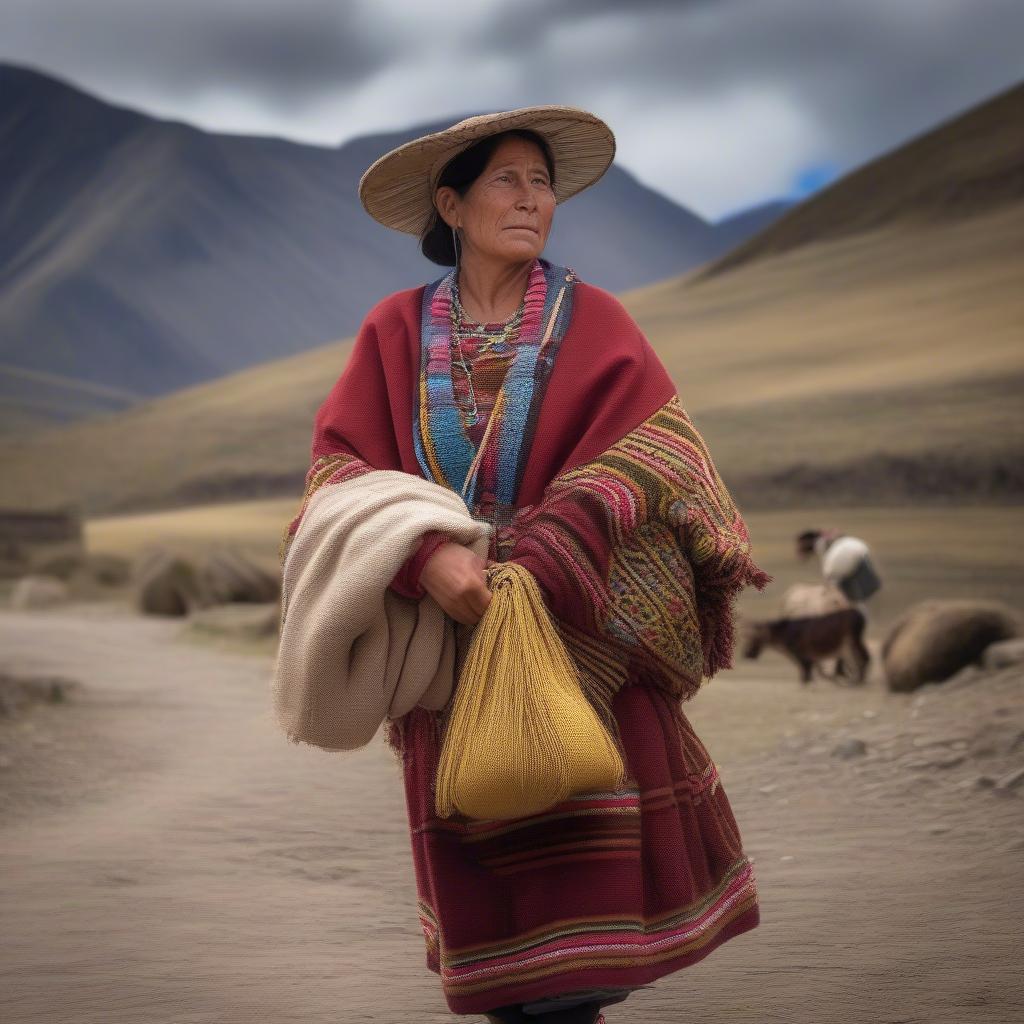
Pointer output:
x,y
719,104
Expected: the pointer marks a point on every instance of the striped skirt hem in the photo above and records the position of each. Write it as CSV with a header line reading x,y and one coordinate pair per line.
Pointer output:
x,y
597,953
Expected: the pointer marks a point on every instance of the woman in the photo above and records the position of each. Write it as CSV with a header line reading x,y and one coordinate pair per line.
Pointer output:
x,y
846,563
536,397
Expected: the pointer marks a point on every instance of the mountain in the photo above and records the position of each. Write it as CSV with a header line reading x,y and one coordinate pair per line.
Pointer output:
x,y
843,377
968,164
879,365
733,230
139,256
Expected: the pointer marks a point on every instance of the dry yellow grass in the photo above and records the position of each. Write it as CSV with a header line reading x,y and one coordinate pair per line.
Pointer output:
x,y
906,340
900,308
954,551
253,527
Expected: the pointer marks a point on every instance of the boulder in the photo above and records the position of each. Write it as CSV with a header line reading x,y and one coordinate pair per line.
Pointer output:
x,y
246,621
849,748
38,591
936,638
95,567
1003,654
167,583
229,577
18,693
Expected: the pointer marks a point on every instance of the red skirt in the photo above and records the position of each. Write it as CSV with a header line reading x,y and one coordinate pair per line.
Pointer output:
x,y
606,890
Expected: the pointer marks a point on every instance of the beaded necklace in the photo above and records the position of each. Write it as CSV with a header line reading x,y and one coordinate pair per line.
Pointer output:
x,y
497,341
487,472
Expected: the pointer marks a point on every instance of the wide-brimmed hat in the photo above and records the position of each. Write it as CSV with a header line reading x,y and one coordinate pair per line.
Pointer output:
x,y
398,189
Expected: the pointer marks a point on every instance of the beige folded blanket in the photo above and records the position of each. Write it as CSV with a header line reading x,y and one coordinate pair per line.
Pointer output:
x,y
352,651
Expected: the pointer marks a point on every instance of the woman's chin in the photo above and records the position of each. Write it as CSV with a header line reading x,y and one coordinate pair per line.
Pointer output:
x,y
521,249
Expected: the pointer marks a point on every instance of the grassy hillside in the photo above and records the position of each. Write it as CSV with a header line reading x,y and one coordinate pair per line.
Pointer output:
x,y
31,400
970,164
885,366
920,553
146,255
865,348
806,372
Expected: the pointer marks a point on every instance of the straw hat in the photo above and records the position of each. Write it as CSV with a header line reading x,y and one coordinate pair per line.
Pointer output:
x,y
398,189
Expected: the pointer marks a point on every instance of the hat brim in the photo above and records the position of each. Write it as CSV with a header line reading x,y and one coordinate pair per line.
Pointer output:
x,y
398,189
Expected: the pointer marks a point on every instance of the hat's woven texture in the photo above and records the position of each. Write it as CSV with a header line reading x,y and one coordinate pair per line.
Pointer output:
x,y
397,190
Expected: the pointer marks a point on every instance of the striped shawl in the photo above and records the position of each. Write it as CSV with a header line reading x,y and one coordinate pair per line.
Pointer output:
x,y
619,510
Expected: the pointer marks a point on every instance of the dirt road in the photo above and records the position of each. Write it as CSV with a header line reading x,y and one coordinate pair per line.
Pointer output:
x,y
166,856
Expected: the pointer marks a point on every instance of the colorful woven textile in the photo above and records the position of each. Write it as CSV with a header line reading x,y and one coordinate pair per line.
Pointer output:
x,y
487,473
605,490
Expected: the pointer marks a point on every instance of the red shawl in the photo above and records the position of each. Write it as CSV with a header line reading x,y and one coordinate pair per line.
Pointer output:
x,y
621,514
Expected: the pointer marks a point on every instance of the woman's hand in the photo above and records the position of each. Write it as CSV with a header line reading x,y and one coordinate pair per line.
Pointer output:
x,y
454,577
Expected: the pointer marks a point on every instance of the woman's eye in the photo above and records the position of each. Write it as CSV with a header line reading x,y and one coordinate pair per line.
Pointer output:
x,y
508,177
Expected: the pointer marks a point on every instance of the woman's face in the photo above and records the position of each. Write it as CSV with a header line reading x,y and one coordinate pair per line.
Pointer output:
x,y
506,213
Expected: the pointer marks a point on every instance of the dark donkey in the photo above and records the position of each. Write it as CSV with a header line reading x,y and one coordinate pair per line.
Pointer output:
x,y
809,639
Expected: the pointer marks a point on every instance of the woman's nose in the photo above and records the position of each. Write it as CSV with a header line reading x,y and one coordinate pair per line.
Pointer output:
x,y
526,199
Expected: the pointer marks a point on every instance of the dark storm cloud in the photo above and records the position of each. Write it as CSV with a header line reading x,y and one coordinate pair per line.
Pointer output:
x,y
867,75
283,52
717,103
867,71
299,55
514,24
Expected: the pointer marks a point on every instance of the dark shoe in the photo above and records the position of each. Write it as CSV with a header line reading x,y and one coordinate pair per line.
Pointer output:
x,y
582,1013
509,1015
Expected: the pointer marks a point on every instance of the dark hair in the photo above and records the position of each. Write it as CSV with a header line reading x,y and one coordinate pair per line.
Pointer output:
x,y
436,242
805,541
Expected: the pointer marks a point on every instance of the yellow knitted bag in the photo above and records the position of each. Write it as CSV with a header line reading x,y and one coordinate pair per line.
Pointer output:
x,y
522,735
